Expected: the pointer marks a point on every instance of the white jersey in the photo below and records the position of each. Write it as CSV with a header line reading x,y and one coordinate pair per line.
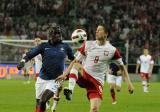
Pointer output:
x,y
38,63
97,58
145,62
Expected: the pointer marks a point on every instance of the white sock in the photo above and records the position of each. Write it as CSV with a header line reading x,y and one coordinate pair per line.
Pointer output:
x,y
144,83
72,83
55,104
72,80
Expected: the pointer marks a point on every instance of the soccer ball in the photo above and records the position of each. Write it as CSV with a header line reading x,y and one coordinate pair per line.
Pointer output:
x,y
78,35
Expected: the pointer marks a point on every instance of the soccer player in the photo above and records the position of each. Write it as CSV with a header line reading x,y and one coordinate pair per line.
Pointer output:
x,y
53,55
97,55
114,79
145,62
78,36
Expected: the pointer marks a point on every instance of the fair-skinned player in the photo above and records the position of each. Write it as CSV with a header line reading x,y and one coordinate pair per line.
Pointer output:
x,y
145,63
97,55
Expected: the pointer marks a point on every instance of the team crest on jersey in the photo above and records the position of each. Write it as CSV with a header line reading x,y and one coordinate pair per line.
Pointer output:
x,y
106,53
62,49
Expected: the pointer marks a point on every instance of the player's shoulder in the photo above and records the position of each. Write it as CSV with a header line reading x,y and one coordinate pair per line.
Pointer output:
x,y
43,44
149,56
89,42
110,46
65,44
141,56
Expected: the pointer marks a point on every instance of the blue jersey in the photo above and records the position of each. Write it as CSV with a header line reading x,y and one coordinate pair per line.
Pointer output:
x,y
53,58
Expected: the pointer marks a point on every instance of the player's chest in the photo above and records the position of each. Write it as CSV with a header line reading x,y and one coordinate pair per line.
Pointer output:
x,y
55,52
100,53
145,60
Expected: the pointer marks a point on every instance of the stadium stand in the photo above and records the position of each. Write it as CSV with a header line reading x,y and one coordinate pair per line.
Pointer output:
x,y
134,20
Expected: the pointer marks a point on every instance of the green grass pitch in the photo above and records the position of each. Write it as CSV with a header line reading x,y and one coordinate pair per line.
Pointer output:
x,y
18,97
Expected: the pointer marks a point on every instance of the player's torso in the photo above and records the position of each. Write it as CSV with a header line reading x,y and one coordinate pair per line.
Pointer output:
x,y
54,52
53,58
97,58
145,63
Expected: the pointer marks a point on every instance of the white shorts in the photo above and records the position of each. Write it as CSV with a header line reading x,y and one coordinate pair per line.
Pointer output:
x,y
111,79
41,85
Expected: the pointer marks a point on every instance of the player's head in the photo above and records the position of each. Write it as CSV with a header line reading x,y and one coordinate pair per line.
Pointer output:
x,y
78,36
37,41
54,33
101,32
145,51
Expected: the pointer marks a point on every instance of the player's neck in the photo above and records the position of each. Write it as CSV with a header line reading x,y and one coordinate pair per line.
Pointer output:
x,y
145,54
101,42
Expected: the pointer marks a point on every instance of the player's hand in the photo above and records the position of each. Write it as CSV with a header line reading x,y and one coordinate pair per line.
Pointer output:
x,y
60,78
130,88
20,65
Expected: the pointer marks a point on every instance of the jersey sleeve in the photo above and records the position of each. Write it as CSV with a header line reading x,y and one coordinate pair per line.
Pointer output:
x,y
33,52
81,52
117,57
138,61
70,53
82,48
80,57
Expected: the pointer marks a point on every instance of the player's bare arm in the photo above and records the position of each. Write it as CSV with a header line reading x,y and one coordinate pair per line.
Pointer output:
x,y
127,79
151,68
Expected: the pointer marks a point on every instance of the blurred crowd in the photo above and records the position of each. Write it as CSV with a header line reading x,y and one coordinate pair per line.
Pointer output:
x,y
135,21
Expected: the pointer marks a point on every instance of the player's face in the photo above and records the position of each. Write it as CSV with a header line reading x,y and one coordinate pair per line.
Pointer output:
x,y
37,42
145,51
100,33
54,34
